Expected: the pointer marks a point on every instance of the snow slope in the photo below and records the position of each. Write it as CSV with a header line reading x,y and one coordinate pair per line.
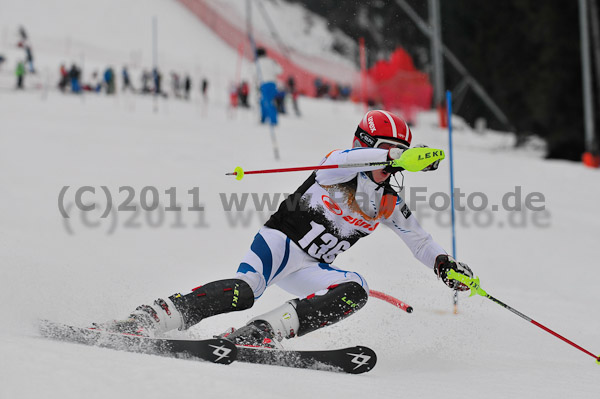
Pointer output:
x,y
279,22
88,269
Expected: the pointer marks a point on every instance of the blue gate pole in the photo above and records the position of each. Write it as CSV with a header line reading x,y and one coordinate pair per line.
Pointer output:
x,y
451,152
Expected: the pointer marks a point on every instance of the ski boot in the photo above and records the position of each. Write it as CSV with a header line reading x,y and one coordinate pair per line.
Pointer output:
x,y
180,312
300,316
257,334
267,330
145,320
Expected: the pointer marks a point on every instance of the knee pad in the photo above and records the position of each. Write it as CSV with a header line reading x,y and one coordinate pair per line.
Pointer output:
x,y
214,298
339,302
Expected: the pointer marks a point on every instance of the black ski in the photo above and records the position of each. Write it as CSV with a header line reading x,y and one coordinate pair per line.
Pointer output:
x,y
353,360
213,350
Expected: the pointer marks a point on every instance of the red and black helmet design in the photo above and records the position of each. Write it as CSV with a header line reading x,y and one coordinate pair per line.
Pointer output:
x,y
380,128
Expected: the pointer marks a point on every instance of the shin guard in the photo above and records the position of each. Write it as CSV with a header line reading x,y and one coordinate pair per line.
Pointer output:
x,y
214,298
341,301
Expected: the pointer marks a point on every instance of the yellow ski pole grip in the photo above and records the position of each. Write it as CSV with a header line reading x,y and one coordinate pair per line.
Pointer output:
x,y
472,283
417,159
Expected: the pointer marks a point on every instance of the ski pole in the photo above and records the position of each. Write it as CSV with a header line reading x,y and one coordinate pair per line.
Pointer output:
x,y
473,284
390,299
412,160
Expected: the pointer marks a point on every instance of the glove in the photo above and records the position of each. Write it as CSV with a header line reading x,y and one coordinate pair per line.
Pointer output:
x,y
431,167
443,263
393,153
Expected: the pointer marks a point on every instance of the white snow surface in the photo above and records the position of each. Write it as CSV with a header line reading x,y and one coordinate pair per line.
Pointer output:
x,y
291,25
84,270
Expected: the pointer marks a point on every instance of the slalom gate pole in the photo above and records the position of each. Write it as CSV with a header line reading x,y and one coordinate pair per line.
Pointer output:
x,y
274,141
450,149
473,284
363,73
155,60
391,300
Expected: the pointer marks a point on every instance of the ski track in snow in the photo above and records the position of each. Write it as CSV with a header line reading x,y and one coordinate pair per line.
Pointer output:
x,y
49,140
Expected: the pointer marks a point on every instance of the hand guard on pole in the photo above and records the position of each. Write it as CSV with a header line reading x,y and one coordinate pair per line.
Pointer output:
x,y
431,167
444,263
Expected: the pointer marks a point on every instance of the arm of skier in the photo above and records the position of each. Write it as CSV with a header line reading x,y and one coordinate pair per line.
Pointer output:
x,y
424,248
420,242
354,155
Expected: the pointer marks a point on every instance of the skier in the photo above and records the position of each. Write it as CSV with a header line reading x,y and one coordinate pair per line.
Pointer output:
x,y
297,246
267,70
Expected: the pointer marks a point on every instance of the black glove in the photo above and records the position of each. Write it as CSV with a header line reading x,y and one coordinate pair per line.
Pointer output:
x,y
393,153
443,263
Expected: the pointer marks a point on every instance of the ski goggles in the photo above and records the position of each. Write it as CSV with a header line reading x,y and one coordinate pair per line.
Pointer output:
x,y
387,144
379,142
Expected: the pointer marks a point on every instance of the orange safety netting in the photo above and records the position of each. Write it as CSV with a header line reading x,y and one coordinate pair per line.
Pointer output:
x,y
397,85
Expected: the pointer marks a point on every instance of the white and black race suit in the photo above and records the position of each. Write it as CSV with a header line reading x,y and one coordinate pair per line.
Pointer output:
x,y
324,217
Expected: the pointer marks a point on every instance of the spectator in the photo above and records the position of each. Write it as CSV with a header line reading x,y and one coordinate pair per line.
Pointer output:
x,y
175,84
64,78
95,85
318,85
291,85
109,80
243,92
205,88
280,100
233,95
267,71
75,76
187,85
126,80
345,92
146,77
157,77
29,58
20,73
22,33
334,93
23,43
324,90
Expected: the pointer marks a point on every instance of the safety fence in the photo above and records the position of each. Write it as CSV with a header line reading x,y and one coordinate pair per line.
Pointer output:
x,y
393,84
